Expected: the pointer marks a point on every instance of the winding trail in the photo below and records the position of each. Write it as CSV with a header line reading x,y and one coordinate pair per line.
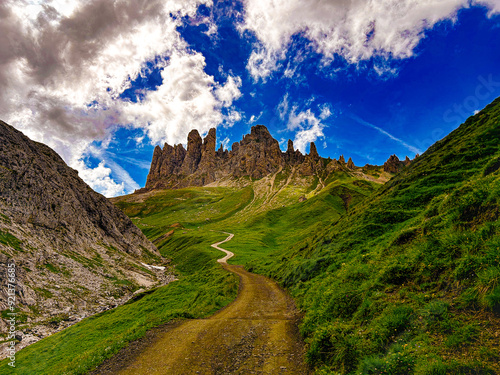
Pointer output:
x,y
229,254
255,334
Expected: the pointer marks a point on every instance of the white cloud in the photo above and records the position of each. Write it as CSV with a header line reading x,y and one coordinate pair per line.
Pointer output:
x,y
354,29
326,111
310,128
225,143
493,6
187,99
232,117
305,136
262,62
229,92
64,63
307,125
254,119
282,108
99,179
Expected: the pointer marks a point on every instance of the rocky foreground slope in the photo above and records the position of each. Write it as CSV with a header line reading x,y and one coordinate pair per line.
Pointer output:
x,y
75,253
257,155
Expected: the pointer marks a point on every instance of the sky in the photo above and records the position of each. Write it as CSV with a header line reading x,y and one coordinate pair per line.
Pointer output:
x,y
103,82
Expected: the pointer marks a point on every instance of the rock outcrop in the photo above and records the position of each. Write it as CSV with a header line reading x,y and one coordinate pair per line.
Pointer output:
x,y
75,252
394,165
350,164
257,155
193,154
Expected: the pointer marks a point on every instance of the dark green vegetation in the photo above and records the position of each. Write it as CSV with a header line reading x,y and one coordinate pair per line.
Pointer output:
x,y
8,239
203,288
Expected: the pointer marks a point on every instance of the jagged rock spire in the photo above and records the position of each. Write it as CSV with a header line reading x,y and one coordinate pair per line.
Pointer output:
x,y
257,155
393,164
350,164
193,153
313,152
207,161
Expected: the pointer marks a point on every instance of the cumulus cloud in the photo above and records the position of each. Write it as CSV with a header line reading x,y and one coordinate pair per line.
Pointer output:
x,y
310,128
306,123
357,30
187,99
64,64
99,179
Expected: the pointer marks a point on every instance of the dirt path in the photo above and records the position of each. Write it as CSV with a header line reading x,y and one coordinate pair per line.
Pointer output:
x,y
228,253
255,334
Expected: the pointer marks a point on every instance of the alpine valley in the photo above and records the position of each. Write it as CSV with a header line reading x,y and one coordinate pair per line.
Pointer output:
x,y
391,269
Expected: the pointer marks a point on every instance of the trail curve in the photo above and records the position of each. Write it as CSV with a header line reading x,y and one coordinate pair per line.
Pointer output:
x,y
229,254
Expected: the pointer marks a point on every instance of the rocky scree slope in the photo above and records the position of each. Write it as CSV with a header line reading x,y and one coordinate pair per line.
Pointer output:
x,y
75,253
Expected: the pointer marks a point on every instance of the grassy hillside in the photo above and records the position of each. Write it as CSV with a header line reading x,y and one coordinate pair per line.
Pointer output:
x,y
408,282
183,224
265,220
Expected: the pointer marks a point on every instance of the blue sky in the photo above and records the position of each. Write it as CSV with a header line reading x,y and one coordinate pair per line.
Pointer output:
x,y
365,83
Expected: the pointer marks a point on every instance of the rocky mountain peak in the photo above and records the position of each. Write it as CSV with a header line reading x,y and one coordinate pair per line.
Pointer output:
x,y
313,152
193,153
350,164
260,132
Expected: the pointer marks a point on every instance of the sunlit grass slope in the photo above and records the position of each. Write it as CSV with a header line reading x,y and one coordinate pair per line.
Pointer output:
x,y
408,282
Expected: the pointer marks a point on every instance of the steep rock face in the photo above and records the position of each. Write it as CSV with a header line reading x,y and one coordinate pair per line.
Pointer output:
x,y
350,164
68,242
193,153
167,162
394,165
312,162
257,155
207,162
293,157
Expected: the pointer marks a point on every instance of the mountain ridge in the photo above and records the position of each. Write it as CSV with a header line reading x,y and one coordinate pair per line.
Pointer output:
x,y
257,155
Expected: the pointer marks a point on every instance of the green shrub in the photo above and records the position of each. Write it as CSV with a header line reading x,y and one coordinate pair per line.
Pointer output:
x,y
334,347
396,362
392,321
